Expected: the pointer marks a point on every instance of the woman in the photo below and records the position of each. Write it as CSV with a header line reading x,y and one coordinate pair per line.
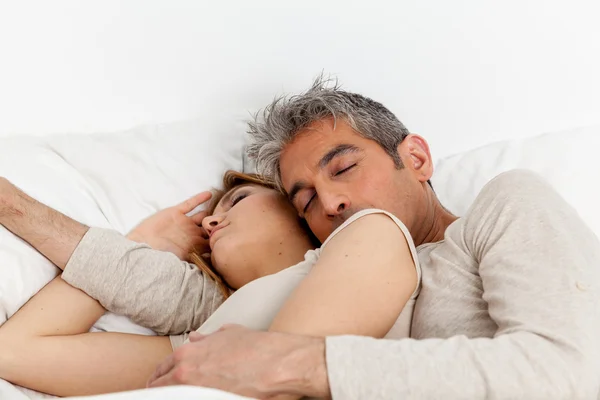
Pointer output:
x,y
46,345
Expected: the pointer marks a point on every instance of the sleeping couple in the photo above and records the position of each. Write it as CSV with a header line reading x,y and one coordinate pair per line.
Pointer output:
x,y
336,272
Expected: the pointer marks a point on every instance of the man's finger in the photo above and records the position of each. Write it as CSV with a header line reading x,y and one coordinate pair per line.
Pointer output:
x,y
204,234
202,247
227,327
164,380
196,336
194,202
164,368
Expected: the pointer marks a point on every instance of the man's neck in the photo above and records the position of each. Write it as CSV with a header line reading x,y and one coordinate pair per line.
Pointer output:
x,y
434,225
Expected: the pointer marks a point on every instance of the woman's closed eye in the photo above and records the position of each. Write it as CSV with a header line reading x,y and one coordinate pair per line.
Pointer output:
x,y
237,198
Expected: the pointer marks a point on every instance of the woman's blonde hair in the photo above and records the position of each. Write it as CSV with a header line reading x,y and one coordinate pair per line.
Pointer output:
x,y
231,180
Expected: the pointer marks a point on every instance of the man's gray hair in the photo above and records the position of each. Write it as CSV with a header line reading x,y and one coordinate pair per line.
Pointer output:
x,y
278,124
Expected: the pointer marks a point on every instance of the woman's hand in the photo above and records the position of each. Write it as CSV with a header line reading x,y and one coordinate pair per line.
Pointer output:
x,y
173,231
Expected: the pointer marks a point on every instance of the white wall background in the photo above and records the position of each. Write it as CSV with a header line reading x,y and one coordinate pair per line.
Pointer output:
x,y
461,73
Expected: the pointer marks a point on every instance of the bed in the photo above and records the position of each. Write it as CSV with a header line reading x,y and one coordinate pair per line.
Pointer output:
x,y
83,177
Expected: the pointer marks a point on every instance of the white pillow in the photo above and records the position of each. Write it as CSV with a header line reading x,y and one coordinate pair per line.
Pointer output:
x,y
107,180
568,160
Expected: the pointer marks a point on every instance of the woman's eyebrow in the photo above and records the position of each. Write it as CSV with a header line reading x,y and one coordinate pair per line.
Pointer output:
x,y
229,194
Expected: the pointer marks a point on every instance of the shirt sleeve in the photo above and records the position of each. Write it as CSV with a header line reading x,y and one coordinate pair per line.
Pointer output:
x,y
154,289
538,263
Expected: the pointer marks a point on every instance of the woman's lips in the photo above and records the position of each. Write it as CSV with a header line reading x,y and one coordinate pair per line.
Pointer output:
x,y
214,231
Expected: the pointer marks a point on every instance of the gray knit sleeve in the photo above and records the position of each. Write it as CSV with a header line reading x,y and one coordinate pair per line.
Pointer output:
x,y
153,288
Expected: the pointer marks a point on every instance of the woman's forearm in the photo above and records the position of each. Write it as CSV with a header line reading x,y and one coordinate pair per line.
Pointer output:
x,y
46,346
84,364
57,309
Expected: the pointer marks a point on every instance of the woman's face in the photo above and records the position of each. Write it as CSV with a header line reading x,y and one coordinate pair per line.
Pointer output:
x,y
254,231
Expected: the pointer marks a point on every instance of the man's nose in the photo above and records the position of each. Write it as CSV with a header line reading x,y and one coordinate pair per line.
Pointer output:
x,y
211,222
335,204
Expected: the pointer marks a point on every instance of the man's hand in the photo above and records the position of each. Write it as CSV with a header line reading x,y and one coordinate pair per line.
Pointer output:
x,y
250,363
173,231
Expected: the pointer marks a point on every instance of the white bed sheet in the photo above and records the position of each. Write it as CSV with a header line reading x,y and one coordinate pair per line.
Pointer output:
x,y
10,392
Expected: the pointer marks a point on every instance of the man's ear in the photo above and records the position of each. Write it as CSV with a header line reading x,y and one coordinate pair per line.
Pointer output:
x,y
414,152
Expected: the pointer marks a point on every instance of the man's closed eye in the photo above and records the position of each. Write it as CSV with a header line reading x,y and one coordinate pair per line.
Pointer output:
x,y
344,170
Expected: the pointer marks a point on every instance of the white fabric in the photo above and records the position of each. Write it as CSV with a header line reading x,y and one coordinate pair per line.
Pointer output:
x,y
569,160
174,392
107,180
10,392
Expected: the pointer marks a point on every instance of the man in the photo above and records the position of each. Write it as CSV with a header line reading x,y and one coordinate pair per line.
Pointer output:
x,y
508,306
509,297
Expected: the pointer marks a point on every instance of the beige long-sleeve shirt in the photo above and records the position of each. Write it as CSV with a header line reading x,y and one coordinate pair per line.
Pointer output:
x,y
153,288
508,305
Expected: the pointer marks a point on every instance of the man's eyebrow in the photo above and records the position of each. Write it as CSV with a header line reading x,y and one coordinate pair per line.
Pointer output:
x,y
298,186
338,150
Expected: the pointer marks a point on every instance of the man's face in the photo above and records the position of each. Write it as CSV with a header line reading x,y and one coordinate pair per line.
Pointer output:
x,y
331,174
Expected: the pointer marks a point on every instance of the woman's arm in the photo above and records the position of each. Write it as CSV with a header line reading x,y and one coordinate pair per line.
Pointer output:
x,y
46,346
359,286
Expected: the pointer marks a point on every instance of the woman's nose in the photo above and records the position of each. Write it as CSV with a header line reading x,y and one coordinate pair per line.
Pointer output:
x,y
211,222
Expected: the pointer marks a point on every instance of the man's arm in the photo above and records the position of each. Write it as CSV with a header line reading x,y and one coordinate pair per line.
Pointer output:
x,y
154,288
51,233
538,263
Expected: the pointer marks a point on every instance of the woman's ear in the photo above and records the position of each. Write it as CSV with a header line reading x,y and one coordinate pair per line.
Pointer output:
x,y
414,152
